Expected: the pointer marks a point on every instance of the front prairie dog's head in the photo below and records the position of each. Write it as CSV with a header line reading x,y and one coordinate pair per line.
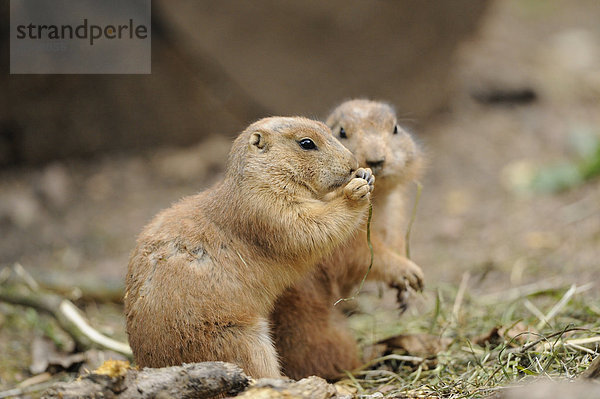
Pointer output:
x,y
370,130
292,154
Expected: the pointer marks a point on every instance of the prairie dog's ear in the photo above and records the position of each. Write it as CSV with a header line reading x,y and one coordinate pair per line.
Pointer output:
x,y
257,140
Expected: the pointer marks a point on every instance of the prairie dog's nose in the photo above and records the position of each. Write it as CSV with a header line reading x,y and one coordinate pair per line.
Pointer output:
x,y
375,164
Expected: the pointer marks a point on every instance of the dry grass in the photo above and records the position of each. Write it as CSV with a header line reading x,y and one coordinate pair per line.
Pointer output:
x,y
565,337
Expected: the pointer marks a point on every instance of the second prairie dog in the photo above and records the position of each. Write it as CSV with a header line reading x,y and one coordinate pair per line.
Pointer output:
x,y
373,135
206,272
310,335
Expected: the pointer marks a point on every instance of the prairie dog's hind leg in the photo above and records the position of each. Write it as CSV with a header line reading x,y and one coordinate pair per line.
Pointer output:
x,y
257,351
311,336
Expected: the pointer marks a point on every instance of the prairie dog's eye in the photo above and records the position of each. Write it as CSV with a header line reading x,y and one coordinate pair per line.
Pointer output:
x,y
342,133
395,129
307,144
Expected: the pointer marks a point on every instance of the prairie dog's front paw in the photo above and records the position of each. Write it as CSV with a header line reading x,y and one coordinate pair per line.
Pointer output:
x,y
360,186
409,276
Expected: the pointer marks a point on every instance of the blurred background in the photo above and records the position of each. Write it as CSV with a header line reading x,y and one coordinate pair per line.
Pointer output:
x,y
504,96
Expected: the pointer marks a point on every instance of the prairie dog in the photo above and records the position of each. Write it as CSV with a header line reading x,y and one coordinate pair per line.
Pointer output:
x,y
206,272
370,130
310,335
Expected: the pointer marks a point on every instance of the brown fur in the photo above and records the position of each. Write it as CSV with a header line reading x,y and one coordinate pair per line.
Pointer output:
x,y
310,335
204,276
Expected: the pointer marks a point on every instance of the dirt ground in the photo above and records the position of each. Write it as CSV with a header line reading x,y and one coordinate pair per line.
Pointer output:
x,y
470,218
73,223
